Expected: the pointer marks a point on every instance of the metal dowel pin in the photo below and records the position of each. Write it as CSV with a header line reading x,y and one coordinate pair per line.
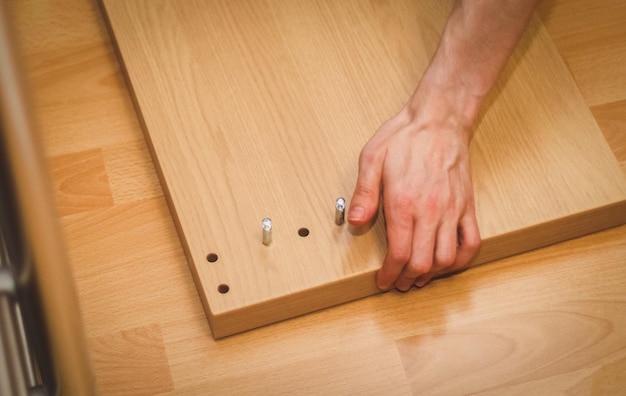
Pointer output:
x,y
267,231
340,211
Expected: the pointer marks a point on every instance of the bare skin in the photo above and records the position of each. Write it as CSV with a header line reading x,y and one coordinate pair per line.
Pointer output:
x,y
418,161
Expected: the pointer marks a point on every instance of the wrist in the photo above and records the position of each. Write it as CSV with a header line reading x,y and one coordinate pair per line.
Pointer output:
x,y
442,104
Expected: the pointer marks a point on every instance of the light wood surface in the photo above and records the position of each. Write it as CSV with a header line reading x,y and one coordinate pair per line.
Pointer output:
x,y
549,321
259,109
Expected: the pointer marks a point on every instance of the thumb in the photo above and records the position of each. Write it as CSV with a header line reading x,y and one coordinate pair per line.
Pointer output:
x,y
364,202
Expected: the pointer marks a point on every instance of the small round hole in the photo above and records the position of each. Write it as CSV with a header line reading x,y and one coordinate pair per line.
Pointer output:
x,y
211,257
223,288
303,232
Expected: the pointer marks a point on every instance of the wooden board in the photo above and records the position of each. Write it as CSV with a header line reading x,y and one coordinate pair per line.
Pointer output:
x,y
259,109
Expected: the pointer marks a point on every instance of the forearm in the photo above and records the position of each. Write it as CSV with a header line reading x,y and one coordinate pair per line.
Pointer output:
x,y
477,41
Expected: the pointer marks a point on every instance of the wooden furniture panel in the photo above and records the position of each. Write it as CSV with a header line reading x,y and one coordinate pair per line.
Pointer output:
x,y
590,36
259,109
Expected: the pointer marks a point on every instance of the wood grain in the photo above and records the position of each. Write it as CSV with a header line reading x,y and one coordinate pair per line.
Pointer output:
x,y
132,273
131,173
141,348
274,130
590,37
515,345
82,182
612,120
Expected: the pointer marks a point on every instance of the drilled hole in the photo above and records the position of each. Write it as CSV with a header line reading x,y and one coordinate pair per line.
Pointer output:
x,y
211,257
303,232
223,288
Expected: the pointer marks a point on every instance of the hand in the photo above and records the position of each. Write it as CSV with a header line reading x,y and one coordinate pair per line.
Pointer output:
x,y
419,158
419,161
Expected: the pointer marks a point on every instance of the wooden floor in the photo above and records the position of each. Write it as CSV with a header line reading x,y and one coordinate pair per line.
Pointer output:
x,y
552,321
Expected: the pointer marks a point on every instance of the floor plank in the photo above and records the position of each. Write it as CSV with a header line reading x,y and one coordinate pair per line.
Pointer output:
x,y
81,182
132,361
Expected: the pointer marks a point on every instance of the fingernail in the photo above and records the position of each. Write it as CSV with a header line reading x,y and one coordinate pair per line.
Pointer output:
x,y
357,213
422,282
382,286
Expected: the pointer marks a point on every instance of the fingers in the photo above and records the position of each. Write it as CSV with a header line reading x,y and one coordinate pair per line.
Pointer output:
x,y
468,237
469,242
418,250
421,261
364,202
445,252
400,240
446,246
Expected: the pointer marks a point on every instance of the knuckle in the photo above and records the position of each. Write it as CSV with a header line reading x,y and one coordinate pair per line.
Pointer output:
x,y
403,202
471,242
365,190
369,154
399,255
433,204
445,259
417,268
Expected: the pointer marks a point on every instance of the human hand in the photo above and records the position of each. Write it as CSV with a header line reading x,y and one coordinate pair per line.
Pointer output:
x,y
419,161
